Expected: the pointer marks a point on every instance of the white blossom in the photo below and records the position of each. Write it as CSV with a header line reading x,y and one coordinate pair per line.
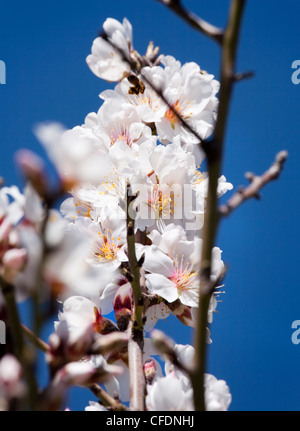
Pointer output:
x,y
173,267
105,61
11,378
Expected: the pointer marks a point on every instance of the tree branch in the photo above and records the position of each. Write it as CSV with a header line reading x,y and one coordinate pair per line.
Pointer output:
x,y
133,263
211,219
256,184
136,373
136,342
34,339
21,350
8,291
194,21
106,399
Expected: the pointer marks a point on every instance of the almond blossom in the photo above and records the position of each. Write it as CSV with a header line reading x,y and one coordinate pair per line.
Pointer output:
x,y
174,390
192,94
170,393
11,378
115,245
105,61
188,91
173,267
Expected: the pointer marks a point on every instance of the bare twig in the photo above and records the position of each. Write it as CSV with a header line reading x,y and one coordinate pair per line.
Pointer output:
x,y
195,21
21,350
136,373
136,342
8,291
106,399
211,219
34,339
133,263
243,75
256,184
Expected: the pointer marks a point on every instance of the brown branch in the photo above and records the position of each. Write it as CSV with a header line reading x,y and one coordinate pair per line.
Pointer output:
x,y
211,219
243,75
35,340
195,21
136,374
21,350
256,184
133,263
8,291
106,399
136,342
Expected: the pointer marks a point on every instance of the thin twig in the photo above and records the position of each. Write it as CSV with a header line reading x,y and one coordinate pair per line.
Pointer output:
x,y
211,219
21,349
8,292
136,342
35,340
195,21
133,263
136,373
243,75
106,399
256,184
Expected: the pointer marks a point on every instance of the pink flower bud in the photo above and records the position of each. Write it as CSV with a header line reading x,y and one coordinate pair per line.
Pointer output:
x,y
11,384
182,312
102,325
33,169
5,228
15,259
123,305
149,371
85,373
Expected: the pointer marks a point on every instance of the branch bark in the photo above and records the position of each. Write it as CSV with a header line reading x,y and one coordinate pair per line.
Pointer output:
x,y
136,342
106,399
21,350
34,339
256,184
195,21
214,161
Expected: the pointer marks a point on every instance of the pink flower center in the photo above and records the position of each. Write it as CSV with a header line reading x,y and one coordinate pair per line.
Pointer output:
x,y
120,133
184,276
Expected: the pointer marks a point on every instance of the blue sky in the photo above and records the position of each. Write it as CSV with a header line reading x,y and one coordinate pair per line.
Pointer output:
x,y
44,46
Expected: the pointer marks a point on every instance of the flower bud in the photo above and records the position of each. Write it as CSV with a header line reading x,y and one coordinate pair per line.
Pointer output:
x,y
66,346
33,169
149,371
14,261
110,342
85,373
162,342
11,384
102,325
182,312
123,306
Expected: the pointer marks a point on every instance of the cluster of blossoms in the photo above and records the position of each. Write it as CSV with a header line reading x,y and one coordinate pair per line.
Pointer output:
x,y
134,158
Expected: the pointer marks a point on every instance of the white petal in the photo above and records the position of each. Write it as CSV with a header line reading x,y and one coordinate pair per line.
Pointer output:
x,y
157,261
162,286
